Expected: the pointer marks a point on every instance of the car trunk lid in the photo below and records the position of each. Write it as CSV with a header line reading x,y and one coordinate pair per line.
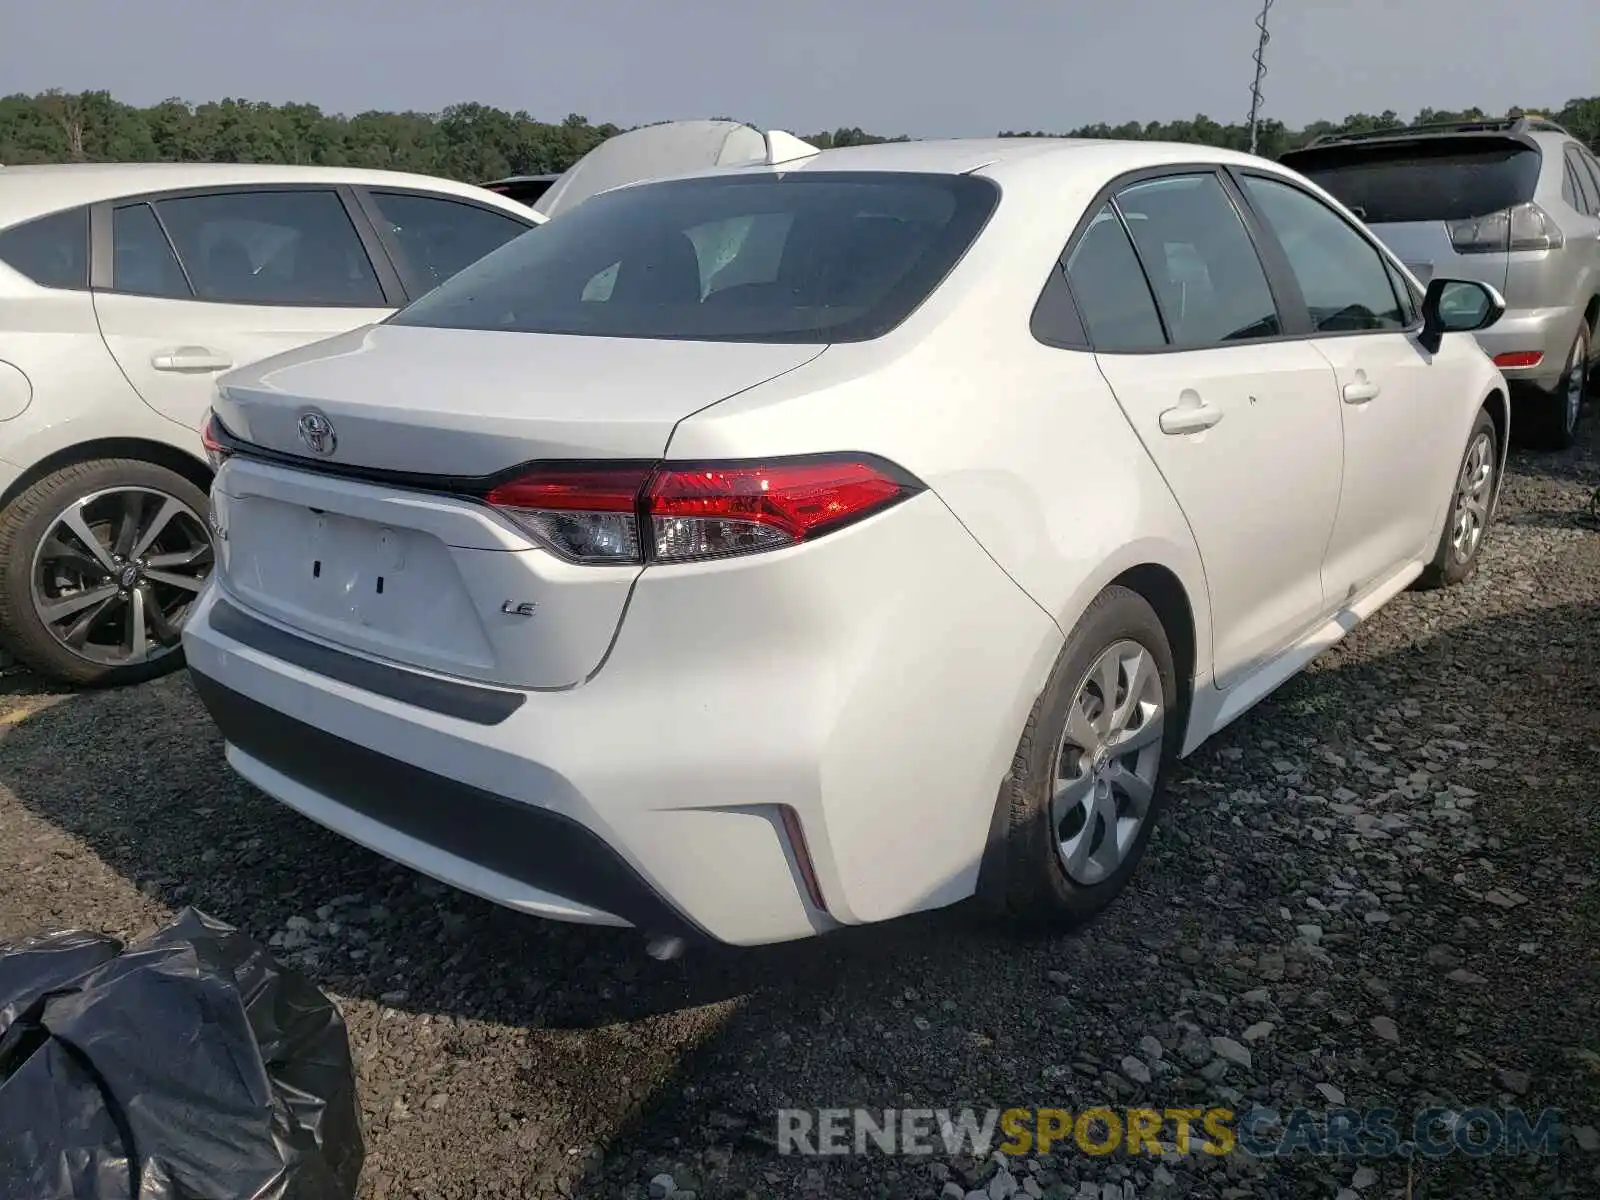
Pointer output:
x,y
465,403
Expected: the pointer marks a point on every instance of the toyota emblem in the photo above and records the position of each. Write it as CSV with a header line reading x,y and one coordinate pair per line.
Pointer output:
x,y
316,431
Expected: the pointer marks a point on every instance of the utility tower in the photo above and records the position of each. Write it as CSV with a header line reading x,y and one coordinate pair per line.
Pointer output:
x,y
1261,71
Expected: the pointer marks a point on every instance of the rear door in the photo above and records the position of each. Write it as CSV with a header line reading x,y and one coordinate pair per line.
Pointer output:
x,y
203,281
431,237
1400,405
1240,417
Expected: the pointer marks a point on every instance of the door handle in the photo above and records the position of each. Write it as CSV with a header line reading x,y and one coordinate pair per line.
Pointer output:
x,y
1190,418
1360,391
190,358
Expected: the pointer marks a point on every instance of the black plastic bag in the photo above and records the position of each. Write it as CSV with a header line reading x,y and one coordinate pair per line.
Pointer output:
x,y
187,1066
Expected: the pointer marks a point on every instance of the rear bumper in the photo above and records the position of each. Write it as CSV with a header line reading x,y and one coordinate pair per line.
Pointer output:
x,y
1546,331
559,865
870,687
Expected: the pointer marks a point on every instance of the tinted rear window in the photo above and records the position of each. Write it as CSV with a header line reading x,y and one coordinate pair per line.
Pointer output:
x,y
52,251
809,257
1424,181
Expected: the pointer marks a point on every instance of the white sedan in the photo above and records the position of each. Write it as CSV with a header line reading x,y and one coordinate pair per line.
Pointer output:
x,y
806,544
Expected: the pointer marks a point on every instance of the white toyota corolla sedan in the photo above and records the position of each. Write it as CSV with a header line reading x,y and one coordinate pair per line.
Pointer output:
x,y
809,543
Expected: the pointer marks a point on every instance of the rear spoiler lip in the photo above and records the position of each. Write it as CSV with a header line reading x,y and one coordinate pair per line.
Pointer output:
x,y
1355,148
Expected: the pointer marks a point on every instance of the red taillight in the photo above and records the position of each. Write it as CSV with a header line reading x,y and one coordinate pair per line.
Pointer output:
x,y
211,440
715,510
682,512
1519,358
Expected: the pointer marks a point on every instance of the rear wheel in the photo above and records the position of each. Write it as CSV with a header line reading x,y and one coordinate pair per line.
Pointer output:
x,y
1556,413
1466,526
99,565
1088,779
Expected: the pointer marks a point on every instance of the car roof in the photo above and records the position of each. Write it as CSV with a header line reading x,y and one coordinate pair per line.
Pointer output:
x,y
31,191
1006,158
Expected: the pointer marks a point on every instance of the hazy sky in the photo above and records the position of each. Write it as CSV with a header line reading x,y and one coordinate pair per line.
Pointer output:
x,y
939,67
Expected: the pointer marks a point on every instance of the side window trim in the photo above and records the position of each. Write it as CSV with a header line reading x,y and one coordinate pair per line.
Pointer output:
x,y
100,261
1386,258
395,292
410,286
1293,314
100,247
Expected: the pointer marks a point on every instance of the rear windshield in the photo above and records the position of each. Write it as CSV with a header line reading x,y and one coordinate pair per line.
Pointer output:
x,y
812,257
1424,181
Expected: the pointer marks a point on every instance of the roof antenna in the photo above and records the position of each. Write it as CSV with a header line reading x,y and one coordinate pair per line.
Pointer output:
x,y
1261,72
785,147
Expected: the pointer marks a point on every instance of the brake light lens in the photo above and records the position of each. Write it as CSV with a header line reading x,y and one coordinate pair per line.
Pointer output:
x,y
1519,358
211,440
687,512
1521,227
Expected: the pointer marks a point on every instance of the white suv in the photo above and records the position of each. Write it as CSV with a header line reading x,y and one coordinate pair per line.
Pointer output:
x,y
125,290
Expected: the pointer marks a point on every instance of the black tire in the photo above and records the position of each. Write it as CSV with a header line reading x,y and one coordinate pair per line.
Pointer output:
x,y
1552,420
1449,568
27,520
1034,889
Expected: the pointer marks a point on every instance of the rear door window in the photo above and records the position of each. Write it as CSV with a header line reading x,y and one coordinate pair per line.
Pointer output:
x,y
52,251
271,247
1207,277
437,237
1444,179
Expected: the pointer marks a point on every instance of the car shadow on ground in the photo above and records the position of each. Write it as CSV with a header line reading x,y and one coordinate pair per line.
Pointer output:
x,y
138,777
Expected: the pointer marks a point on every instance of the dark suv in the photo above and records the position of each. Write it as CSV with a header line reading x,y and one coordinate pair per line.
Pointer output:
x,y
1514,204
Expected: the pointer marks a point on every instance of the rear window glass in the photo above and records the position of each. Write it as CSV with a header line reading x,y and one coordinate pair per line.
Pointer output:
x,y
52,251
809,257
1420,181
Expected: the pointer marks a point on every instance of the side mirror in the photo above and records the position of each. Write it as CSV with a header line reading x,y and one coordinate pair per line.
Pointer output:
x,y
1457,306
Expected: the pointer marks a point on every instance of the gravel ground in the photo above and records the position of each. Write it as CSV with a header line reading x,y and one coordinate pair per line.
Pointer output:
x,y
1377,889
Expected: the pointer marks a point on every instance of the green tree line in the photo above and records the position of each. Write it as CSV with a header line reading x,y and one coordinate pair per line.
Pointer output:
x,y
478,142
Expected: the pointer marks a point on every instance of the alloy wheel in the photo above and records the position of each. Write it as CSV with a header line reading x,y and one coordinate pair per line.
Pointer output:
x,y
1577,384
1474,494
1107,761
115,574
